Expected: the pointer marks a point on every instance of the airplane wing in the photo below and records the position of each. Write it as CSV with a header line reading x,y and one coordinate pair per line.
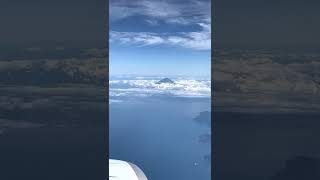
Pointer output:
x,y
122,170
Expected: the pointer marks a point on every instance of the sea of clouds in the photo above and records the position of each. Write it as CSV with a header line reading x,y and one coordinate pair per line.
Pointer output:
x,y
140,87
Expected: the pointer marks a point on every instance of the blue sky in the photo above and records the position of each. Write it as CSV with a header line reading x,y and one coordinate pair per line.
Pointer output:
x,y
160,37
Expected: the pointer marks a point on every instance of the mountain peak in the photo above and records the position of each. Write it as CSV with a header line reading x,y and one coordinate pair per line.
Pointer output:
x,y
165,80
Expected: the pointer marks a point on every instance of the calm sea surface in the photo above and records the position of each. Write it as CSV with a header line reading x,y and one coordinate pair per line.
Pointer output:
x,y
162,137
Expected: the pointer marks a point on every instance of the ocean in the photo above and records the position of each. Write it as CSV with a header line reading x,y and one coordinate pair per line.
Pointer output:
x,y
162,128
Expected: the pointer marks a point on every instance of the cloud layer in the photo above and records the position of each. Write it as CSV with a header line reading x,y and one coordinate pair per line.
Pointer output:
x,y
146,88
198,40
172,13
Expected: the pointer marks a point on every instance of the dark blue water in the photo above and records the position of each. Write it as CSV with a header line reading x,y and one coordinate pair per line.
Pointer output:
x,y
161,137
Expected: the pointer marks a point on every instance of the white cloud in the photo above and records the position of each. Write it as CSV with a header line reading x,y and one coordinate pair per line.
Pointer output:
x,y
112,101
152,22
141,38
198,40
179,12
120,9
146,88
159,9
178,20
172,12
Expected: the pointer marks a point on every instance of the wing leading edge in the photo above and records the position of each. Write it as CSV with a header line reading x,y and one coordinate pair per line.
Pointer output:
x,y
122,170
